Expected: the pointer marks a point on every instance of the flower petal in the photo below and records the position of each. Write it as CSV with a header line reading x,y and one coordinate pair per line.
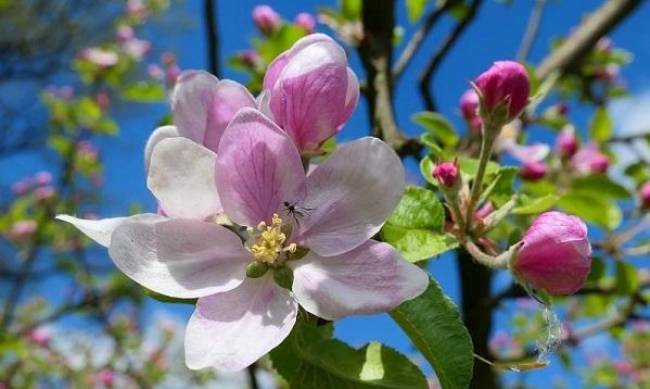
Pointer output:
x,y
369,279
101,230
350,195
258,168
230,331
156,136
179,257
229,98
181,176
192,98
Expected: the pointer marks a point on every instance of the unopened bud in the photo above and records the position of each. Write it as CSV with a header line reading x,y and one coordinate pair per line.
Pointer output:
x,y
503,92
283,276
447,174
265,18
533,171
256,269
566,143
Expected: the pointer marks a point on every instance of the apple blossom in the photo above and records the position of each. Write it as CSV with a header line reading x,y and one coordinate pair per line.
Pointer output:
x,y
590,160
124,33
22,229
100,57
555,255
644,195
202,106
136,48
503,87
310,91
314,230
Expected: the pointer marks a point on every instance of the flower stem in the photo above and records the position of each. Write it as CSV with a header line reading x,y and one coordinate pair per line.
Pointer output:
x,y
484,157
500,262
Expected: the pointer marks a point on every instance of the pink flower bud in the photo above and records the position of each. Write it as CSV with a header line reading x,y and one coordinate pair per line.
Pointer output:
x,y
533,171
105,377
249,57
484,211
172,74
644,195
136,8
124,33
562,108
555,255
469,108
566,143
66,92
44,192
504,86
21,187
447,174
265,18
604,44
310,91
306,21
103,100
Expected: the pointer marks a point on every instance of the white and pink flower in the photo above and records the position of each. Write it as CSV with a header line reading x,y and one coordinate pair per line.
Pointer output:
x,y
317,227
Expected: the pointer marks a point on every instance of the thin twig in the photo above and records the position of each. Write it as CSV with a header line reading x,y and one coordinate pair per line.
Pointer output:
x,y
212,34
531,30
415,43
585,36
447,44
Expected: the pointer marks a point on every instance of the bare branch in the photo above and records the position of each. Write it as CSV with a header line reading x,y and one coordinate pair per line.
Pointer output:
x,y
212,33
447,44
594,27
531,30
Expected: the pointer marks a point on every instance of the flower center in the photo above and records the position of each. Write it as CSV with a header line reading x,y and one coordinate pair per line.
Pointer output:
x,y
266,242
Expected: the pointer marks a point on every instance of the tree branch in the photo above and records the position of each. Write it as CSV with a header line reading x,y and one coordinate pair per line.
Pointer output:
x,y
531,30
212,34
415,43
447,44
594,27
376,52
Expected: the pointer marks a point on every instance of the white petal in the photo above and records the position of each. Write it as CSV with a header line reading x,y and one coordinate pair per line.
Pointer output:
x,y
372,278
230,331
182,177
179,257
101,230
350,195
159,134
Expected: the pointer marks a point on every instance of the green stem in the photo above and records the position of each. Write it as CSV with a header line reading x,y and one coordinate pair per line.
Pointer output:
x,y
484,157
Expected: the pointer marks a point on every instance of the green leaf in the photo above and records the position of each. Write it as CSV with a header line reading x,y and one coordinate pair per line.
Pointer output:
x,y
433,324
418,244
469,168
418,208
438,126
627,279
601,127
351,9
145,92
601,185
415,227
593,208
426,169
415,9
308,359
537,205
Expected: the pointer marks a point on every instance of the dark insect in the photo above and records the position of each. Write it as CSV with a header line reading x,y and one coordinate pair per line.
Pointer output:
x,y
296,211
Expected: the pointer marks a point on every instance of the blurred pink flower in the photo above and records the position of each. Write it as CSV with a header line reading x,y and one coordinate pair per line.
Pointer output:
x,y
43,178
306,21
644,195
44,192
22,228
266,19
589,159
155,72
21,187
40,336
533,171
172,73
100,57
469,108
136,48
124,33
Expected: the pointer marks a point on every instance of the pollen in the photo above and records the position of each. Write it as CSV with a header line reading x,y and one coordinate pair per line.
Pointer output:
x,y
268,241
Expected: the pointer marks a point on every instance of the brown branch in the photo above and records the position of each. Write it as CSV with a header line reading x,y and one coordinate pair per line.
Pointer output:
x,y
594,27
212,35
415,43
531,30
376,51
447,44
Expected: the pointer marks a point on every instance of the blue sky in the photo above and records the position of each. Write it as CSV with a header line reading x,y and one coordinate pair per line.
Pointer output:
x,y
494,36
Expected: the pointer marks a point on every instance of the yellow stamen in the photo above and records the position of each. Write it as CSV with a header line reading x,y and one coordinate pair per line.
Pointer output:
x,y
269,243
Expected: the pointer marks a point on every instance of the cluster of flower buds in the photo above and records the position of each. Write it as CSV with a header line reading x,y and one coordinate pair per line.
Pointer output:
x,y
168,71
268,20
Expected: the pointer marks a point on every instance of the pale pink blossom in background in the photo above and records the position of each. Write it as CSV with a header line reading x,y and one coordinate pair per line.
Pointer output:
x,y
136,8
40,336
155,72
124,33
469,108
566,143
100,57
21,187
22,229
136,48
105,377
44,192
589,159
43,178
644,195
172,73
266,19
255,174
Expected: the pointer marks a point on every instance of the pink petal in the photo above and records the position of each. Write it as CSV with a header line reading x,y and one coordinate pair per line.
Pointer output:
x,y
179,257
351,97
370,279
101,230
278,64
156,136
230,331
181,176
203,106
350,195
258,168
